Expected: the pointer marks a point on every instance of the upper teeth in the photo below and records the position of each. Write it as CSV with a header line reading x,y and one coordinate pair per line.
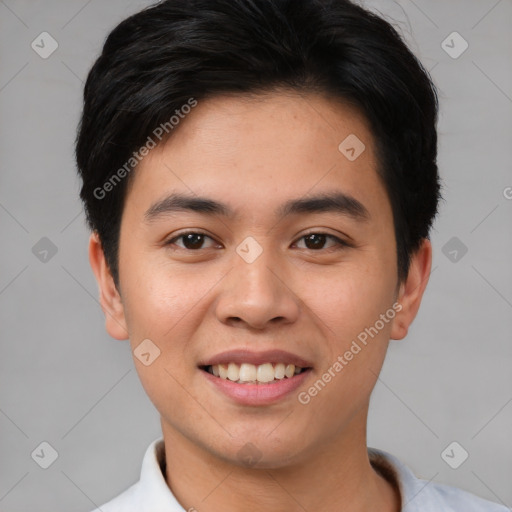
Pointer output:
x,y
251,373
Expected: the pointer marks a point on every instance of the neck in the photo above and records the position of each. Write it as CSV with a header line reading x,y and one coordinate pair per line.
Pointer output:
x,y
331,477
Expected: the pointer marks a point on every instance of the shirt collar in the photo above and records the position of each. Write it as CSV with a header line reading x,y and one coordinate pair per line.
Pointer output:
x,y
157,495
415,493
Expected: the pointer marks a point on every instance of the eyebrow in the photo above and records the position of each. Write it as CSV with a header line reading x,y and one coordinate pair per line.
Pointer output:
x,y
337,202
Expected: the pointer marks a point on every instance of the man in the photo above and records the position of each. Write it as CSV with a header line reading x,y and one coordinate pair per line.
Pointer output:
x,y
260,180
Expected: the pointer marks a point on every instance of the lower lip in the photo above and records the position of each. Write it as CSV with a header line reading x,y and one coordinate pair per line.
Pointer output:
x,y
257,394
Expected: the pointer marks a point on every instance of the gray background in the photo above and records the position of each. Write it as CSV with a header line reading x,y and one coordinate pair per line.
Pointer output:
x,y
64,381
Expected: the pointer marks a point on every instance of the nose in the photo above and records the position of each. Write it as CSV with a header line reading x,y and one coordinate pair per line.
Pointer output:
x,y
257,294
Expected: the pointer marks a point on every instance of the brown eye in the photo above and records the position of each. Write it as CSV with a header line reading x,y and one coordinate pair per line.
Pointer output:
x,y
191,240
316,241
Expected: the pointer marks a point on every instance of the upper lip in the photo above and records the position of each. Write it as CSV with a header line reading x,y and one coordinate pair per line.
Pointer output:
x,y
240,356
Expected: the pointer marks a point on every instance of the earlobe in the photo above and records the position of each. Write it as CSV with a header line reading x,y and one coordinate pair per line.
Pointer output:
x,y
110,300
412,289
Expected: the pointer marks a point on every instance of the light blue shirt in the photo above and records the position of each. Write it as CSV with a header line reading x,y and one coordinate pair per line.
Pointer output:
x,y
151,493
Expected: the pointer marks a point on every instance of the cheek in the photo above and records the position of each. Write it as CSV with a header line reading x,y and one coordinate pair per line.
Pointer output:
x,y
156,295
350,311
356,342
351,298
163,305
162,382
167,303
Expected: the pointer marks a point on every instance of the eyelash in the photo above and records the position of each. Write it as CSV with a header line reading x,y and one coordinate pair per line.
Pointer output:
x,y
340,244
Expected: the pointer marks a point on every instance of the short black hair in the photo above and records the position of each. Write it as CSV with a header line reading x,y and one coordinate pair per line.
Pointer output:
x,y
181,51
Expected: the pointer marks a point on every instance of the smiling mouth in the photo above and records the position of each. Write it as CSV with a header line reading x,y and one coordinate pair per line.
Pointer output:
x,y
247,373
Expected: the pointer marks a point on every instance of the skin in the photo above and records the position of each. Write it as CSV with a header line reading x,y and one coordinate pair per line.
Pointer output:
x,y
254,154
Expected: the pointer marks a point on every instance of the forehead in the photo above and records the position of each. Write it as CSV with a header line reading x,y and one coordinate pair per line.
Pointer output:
x,y
278,122
254,152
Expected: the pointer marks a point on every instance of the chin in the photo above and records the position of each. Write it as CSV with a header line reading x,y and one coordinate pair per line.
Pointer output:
x,y
260,451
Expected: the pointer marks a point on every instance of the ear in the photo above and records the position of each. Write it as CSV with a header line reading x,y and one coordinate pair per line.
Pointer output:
x,y
110,300
411,291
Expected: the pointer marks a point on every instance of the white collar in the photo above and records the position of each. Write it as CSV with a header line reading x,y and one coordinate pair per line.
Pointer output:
x,y
152,494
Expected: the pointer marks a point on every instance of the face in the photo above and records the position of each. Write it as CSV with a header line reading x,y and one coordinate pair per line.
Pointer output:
x,y
289,261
